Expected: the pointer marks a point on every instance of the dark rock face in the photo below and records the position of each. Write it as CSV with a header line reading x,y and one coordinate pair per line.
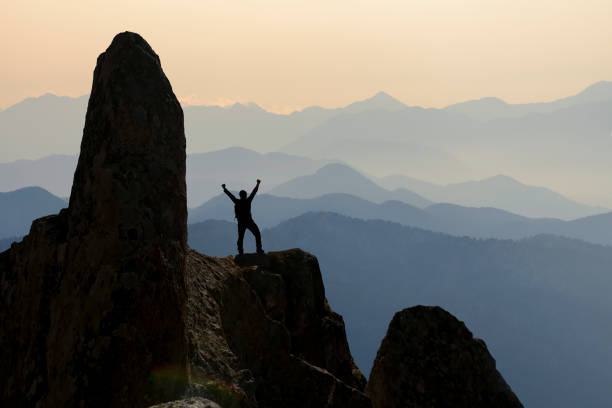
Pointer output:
x,y
430,359
196,402
252,260
250,343
92,302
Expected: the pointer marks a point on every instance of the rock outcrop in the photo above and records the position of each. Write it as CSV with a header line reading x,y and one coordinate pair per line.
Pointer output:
x,y
428,358
105,305
92,301
195,402
263,336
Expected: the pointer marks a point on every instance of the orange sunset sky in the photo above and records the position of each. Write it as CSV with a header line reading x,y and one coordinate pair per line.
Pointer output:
x,y
285,55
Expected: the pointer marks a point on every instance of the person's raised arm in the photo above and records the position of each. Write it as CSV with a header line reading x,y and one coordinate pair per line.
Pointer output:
x,y
229,193
254,190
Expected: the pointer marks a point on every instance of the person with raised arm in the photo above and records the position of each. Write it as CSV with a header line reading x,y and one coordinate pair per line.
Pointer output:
x,y
242,211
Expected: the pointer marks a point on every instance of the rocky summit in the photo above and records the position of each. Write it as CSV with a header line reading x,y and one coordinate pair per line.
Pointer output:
x,y
265,336
104,305
428,358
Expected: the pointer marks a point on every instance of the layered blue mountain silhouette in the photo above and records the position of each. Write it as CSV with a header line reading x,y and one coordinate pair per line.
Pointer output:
x,y
565,143
205,172
237,168
53,173
477,222
542,304
339,188
501,192
495,108
340,178
37,127
20,207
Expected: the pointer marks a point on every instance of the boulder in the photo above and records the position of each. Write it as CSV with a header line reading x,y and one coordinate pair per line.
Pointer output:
x,y
428,358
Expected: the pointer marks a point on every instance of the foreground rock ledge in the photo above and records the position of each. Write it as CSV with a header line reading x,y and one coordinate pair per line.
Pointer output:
x,y
264,336
428,358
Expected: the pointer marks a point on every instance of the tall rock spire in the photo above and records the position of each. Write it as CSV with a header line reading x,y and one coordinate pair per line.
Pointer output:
x,y
131,170
92,302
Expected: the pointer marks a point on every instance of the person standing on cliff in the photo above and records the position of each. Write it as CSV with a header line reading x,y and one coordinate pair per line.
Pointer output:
x,y
242,210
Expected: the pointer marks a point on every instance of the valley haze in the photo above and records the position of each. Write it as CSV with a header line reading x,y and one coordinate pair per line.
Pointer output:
x,y
563,145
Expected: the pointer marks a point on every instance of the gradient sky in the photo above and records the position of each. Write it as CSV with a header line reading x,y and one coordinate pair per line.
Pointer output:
x,y
286,55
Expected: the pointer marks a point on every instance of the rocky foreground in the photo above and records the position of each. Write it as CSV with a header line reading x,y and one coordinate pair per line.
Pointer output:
x,y
105,305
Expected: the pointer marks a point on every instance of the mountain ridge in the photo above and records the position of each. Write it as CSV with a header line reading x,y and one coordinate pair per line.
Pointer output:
x,y
341,178
478,222
499,191
595,92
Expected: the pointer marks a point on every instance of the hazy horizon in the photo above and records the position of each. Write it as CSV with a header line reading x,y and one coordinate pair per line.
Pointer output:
x,y
227,103
286,56
541,144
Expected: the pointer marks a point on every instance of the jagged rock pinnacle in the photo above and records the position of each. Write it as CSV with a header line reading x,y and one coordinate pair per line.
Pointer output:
x,y
130,176
92,302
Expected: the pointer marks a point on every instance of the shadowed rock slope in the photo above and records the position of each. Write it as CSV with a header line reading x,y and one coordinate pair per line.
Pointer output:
x,y
266,337
430,359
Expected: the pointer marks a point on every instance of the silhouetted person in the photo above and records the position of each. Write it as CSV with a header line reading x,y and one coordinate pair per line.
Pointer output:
x,y
242,209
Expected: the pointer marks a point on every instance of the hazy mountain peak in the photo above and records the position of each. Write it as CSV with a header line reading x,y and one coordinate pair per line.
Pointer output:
x,y
383,96
502,179
47,101
481,109
483,102
380,101
336,168
599,91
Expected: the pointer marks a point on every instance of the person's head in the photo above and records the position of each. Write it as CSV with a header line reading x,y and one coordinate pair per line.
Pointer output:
x,y
242,194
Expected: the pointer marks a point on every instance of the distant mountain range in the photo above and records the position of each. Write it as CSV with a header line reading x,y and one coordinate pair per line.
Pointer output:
x,y
54,124
567,147
19,208
540,295
564,144
483,222
237,167
300,177
495,108
38,127
500,192
340,178
53,173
